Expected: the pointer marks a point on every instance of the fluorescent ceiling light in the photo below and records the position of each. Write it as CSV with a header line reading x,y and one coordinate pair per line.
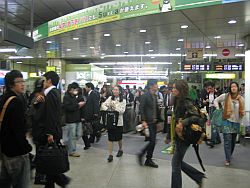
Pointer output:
x,y
240,45
48,42
19,62
75,38
125,52
68,50
232,22
158,63
239,55
148,42
20,57
148,55
180,40
103,54
178,49
143,30
184,26
210,55
0,30
102,57
106,35
150,50
91,47
217,37
8,50
152,57
179,63
83,55
208,47
131,68
47,52
154,74
118,45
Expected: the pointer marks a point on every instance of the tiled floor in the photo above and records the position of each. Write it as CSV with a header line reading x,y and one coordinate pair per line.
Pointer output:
x,y
91,170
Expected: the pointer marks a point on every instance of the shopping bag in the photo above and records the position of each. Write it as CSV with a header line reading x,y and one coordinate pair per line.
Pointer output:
x,y
112,119
52,159
217,118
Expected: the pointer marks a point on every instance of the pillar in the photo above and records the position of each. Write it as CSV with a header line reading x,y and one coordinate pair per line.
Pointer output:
x,y
247,77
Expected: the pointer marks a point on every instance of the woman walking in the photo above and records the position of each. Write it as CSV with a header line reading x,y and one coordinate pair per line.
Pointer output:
x,y
232,115
117,104
183,107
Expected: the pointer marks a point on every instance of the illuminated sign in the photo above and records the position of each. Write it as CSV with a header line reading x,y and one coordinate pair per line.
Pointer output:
x,y
189,66
220,76
229,67
50,68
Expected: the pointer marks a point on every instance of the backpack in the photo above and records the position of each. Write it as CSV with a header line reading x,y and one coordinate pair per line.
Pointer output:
x,y
195,134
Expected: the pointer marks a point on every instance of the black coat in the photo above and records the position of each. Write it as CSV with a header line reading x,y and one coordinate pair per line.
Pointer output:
x,y
187,112
92,106
52,114
13,131
146,108
71,109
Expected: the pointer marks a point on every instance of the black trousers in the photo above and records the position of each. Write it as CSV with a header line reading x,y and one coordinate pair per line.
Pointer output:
x,y
96,131
59,179
86,141
149,148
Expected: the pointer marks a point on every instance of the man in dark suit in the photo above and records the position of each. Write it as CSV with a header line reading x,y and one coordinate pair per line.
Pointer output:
x,y
150,115
92,112
52,125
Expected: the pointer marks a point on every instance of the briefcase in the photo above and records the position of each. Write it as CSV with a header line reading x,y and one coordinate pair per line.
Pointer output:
x,y
52,159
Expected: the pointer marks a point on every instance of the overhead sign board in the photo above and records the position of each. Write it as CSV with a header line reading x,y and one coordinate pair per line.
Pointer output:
x,y
192,66
229,66
226,53
50,68
194,54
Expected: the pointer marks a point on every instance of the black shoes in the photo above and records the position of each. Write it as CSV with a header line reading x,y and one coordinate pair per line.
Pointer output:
x,y
40,179
110,158
140,158
151,163
86,147
119,153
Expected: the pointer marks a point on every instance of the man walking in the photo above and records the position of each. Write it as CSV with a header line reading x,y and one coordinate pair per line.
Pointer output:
x,y
150,115
15,167
92,112
52,125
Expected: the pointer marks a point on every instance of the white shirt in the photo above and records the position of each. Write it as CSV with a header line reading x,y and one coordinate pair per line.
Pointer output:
x,y
46,91
90,92
211,99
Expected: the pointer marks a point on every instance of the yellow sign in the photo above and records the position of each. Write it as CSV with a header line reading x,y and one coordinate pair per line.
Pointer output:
x,y
33,75
50,68
220,76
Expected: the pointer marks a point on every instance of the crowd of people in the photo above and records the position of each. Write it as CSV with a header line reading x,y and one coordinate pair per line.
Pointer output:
x,y
84,113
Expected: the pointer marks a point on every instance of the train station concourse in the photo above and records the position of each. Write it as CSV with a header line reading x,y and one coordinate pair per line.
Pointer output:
x,y
125,51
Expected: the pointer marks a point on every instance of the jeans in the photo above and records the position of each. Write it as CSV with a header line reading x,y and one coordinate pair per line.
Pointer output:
x,y
149,148
229,144
178,164
71,133
15,171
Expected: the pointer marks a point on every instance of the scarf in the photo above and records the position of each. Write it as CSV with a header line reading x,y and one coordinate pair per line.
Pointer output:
x,y
228,107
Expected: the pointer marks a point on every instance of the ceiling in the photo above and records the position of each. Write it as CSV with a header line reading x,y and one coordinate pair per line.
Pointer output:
x,y
163,32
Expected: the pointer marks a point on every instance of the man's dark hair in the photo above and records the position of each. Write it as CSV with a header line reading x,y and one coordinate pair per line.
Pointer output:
x,y
90,85
10,78
53,76
210,83
151,82
74,85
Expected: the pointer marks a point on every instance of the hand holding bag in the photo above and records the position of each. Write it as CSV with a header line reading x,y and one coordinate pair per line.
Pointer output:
x,y
112,119
52,159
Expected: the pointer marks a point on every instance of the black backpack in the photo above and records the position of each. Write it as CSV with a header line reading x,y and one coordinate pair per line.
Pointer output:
x,y
195,134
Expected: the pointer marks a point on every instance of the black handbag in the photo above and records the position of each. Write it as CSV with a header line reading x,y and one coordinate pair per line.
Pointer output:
x,y
52,159
112,119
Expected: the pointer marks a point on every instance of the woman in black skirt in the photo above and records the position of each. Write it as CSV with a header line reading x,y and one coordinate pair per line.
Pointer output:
x,y
115,103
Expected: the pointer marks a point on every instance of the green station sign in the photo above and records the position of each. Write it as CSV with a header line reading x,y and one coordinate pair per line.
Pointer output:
x,y
114,11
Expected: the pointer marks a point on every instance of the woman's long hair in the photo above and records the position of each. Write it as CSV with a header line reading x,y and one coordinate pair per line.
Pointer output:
x,y
182,87
229,88
120,93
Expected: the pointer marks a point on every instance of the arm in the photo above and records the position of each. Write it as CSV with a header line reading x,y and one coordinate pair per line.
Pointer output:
x,y
106,104
219,99
142,107
120,107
